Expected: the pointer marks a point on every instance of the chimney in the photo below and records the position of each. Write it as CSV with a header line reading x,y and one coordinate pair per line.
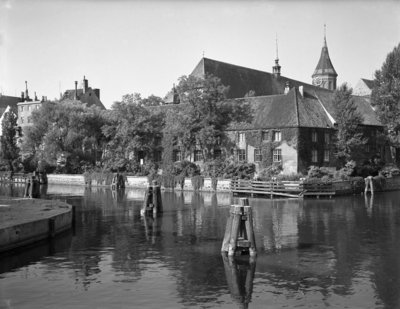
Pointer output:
x,y
85,84
26,91
301,90
36,99
76,91
287,87
42,98
22,96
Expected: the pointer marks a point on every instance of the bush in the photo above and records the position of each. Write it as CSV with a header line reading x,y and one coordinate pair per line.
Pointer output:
x,y
390,171
168,181
214,183
319,172
379,182
358,184
214,168
241,171
186,168
197,182
290,177
269,172
180,179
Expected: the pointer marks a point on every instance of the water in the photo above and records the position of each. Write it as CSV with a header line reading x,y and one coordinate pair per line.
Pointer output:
x,y
339,253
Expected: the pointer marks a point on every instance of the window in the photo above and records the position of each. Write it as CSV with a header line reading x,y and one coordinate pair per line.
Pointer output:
x,y
241,153
257,155
22,119
314,156
327,137
157,156
157,141
314,136
177,156
198,156
277,137
326,155
21,108
277,155
241,137
217,153
264,135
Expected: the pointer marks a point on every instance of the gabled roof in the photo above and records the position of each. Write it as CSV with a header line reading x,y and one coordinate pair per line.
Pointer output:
x,y
325,66
368,82
89,97
6,100
286,110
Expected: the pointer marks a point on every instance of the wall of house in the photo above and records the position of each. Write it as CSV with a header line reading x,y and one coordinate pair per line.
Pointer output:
x,y
306,146
289,158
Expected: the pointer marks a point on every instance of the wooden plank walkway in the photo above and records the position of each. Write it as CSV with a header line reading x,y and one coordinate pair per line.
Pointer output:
x,y
281,189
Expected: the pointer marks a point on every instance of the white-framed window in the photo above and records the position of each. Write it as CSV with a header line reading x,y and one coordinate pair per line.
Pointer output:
x,y
241,154
257,155
241,137
314,155
277,136
314,136
277,155
177,156
198,155
327,137
326,155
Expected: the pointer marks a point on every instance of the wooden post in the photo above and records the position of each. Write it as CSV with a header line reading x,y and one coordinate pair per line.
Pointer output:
x,y
152,200
239,233
369,183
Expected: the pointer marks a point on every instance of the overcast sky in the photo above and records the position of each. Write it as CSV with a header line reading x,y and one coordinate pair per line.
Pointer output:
x,y
124,46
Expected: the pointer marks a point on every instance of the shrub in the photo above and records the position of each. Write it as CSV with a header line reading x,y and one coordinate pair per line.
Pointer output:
x,y
379,182
358,184
168,181
214,168
197,182
319,172
180,179
241,171
289,177
390,171
269,172
186,168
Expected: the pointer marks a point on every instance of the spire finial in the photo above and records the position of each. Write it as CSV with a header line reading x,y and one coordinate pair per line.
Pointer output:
x,y
276,44
324,35
203,53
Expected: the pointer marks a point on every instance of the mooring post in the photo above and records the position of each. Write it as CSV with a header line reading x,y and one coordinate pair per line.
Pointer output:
x,y
369,183
157,203
152,200
239,233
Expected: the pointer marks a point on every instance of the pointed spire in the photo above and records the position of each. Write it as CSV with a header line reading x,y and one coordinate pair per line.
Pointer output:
x,y
276,69
325,36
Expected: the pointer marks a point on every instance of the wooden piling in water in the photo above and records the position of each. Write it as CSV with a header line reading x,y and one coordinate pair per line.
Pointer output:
x,y
152,203
369,184
239,233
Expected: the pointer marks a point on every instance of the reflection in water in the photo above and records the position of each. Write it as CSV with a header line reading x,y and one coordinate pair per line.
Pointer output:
x,y
239,274
313,253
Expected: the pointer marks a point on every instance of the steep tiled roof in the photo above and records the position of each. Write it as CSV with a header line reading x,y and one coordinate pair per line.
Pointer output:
x,y
241,79
363,106
368,82
280,111
6,100
325,65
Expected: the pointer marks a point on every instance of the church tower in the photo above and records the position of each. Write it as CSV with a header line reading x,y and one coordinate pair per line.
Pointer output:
x,y
324,74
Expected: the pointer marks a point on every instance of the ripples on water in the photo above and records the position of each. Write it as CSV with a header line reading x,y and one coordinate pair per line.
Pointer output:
x,y
311,254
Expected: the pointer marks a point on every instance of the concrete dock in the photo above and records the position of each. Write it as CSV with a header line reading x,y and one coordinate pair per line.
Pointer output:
x,y
24,221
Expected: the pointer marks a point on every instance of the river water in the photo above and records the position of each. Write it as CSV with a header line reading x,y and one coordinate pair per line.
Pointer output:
x,y
338,253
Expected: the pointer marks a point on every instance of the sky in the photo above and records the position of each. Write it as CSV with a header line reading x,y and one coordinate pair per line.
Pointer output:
x,y
124,46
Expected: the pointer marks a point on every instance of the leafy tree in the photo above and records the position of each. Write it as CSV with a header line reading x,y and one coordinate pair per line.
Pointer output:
x,y
130,129
136,98
386,95
204,115
349,140
9,149
69,128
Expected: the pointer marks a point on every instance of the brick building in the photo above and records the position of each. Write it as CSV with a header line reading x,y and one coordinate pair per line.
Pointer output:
x,y
294,122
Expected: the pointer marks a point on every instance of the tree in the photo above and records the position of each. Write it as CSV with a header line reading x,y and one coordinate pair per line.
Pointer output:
x,y
9,149
349,140
136,98
386,95
69,129
131,128
204,116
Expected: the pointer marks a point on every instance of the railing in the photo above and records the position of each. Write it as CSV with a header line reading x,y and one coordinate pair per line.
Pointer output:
x,y
278,188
